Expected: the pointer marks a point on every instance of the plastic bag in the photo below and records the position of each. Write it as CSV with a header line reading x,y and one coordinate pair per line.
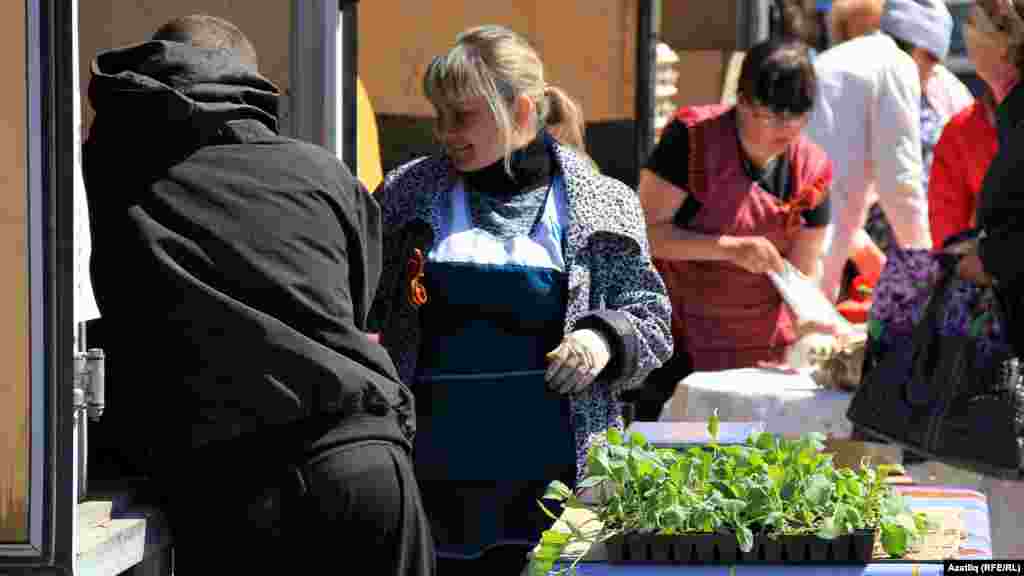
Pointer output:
x,y
807,301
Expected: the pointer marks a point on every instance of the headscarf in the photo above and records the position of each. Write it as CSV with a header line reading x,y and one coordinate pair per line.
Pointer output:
x,y
926,24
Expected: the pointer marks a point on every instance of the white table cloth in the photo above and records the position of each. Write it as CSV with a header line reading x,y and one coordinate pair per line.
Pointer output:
x,y
788,404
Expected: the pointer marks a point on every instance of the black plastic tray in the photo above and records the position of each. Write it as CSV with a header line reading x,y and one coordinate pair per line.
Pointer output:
x,y
638,548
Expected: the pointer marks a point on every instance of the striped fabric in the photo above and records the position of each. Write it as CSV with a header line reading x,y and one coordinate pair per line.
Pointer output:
x,y
978,544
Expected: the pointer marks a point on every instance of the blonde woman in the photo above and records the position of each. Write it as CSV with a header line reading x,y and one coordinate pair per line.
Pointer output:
x,y
996,257
519,299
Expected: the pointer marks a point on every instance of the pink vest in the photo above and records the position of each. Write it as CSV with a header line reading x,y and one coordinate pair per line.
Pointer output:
x,y
725,316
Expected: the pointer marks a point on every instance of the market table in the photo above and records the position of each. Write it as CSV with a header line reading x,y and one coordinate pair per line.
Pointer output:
x,y
789,404
973,513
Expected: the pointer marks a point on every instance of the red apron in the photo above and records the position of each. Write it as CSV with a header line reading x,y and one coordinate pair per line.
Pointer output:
x,y
725,316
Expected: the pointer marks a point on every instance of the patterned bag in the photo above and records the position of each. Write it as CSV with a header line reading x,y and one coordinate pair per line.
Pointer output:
x,y
898,301
953,390
903,289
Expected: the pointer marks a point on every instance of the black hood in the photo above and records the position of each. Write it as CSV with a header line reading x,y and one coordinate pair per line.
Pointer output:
x,y
235,266
173,86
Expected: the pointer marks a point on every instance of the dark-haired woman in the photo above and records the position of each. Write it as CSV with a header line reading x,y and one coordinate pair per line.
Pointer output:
x,y
729,194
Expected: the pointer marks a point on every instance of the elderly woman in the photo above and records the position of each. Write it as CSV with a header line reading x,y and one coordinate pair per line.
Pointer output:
x,y
729,193
995,258
990,248
995,34
526,299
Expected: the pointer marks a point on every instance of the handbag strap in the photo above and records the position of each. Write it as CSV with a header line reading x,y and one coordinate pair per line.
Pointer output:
x,y
924,340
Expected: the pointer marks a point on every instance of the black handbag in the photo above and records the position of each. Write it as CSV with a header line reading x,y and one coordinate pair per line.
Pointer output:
x,y
938,397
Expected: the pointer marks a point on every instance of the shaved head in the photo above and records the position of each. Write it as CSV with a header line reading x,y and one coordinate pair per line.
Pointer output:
x,y
854,18
204,31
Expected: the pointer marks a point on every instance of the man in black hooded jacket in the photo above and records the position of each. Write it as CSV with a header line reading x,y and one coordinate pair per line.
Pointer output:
x,y
234,269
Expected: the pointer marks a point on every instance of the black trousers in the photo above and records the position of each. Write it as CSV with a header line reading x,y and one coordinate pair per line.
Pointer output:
x,y
271,504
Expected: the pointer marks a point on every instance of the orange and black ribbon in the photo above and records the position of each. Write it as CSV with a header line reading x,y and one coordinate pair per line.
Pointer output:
x,y
417,291
808,198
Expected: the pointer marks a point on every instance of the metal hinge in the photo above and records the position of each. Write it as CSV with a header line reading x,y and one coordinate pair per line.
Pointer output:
x,y
89,401
89,382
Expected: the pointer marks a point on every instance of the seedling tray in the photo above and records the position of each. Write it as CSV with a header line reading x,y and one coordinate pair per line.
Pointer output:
x,y
637,548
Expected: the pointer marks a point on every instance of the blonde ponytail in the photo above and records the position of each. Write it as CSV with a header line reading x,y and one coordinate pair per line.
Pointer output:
x,y
563,117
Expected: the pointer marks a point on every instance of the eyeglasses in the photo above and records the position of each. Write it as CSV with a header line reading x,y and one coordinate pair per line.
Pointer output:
x,y
767,116
784,119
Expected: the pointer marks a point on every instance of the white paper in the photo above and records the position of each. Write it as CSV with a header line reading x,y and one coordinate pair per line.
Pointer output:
x,y
807,300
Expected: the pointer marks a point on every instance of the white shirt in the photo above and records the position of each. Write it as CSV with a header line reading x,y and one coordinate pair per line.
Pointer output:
x,y
947,94
867,118
461,241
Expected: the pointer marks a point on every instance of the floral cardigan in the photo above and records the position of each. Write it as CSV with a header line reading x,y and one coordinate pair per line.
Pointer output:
x,y
613,286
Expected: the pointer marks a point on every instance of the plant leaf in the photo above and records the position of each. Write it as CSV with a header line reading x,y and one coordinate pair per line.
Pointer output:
x,y
637,439
756,460
829,529
574,502
732,507
854,517
818,491
680,472
713,425
675,517
745,538
552,544
614,437
773,520
765,441
554,538
885,470
894,540
895,505
557,491
597,463
874,329
924,523
853,487
706,460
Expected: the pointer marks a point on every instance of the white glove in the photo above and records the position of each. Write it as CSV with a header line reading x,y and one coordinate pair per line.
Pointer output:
x,y
574,364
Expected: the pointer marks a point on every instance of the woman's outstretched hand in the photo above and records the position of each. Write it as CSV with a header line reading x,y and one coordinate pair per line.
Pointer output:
x,y
577,361
755,254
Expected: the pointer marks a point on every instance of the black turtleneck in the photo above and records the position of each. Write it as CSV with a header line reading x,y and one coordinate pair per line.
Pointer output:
x,y
509,205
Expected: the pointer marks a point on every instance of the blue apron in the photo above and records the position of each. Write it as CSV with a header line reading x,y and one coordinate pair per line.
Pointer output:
x,y
490,435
